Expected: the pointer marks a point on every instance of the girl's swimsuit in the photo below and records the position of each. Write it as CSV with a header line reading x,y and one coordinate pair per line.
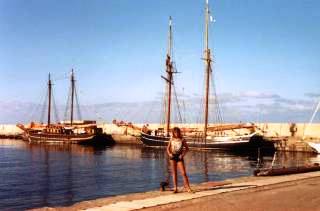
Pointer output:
x,y
176,149
176,157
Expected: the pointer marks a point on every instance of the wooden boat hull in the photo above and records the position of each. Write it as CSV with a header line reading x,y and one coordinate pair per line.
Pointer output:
x,y
58,138
247,143
90,139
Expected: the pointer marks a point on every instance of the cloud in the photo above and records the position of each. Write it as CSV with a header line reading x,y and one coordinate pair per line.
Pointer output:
x,y
259,95
312,95
230,98
246,97
235,107
295,102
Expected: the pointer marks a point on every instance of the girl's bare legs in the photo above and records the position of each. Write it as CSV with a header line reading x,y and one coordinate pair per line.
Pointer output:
x,y
174,175
182,170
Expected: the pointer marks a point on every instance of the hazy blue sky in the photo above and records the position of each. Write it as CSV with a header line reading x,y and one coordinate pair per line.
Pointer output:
x,y
117,47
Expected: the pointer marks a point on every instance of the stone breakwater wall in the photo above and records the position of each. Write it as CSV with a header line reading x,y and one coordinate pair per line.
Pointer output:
x,y
291,137
288,136
266,129
286,129
10,131
6,129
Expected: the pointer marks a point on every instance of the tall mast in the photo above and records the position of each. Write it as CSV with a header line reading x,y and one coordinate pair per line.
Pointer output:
x,y
207,58
72,95
49,100
169,78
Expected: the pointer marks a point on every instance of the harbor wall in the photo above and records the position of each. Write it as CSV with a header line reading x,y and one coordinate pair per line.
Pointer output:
x,y
283,129
10,131
286,137
6,129
266,129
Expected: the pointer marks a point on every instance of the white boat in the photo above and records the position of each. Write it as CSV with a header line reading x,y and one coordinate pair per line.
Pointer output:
x,y
231,138
315,146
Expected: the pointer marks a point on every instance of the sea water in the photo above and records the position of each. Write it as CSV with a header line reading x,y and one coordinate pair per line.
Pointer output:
x,y
37,175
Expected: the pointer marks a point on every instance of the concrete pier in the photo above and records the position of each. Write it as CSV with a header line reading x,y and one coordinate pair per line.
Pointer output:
x,y
291,192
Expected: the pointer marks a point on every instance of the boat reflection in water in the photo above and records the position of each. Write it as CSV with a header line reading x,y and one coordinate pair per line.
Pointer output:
x,y
37,175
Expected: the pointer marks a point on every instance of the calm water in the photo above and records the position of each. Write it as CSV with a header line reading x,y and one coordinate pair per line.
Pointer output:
x,y
33,175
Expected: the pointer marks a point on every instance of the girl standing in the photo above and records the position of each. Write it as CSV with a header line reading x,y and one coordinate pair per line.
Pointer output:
x,y
177,149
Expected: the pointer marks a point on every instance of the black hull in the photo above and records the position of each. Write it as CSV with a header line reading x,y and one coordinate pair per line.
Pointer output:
x,y
251,144
154,141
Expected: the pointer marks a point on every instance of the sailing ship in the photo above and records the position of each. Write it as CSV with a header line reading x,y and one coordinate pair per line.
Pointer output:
x,y
210,137
66,132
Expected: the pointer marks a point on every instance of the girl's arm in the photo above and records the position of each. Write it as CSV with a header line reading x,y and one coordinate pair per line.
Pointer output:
x,y
186,148
169,149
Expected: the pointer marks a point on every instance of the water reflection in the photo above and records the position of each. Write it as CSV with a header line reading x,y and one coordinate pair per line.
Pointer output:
x,y
34,175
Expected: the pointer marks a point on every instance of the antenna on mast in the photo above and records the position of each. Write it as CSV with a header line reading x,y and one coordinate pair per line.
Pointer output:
x,y
169,53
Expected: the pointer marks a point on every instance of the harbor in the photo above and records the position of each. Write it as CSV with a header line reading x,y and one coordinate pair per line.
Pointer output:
x,y
213,174
60,171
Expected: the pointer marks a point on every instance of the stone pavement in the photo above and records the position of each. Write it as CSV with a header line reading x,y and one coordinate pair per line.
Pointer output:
x,y
170,201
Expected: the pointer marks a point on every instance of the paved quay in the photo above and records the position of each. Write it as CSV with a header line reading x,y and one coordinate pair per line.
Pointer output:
x,y
290,192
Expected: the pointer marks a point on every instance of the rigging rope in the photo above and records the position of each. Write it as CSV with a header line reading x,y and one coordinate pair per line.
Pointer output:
x,y
34,114
178,107
164,106
184,108
177,104
67,105
150,110
216,108
44,108
78,105
55,110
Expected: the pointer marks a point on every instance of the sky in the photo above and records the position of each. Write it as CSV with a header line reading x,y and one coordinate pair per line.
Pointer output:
x,y
266,52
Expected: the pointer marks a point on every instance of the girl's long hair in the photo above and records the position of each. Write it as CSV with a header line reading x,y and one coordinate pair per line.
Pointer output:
x,y
176,133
